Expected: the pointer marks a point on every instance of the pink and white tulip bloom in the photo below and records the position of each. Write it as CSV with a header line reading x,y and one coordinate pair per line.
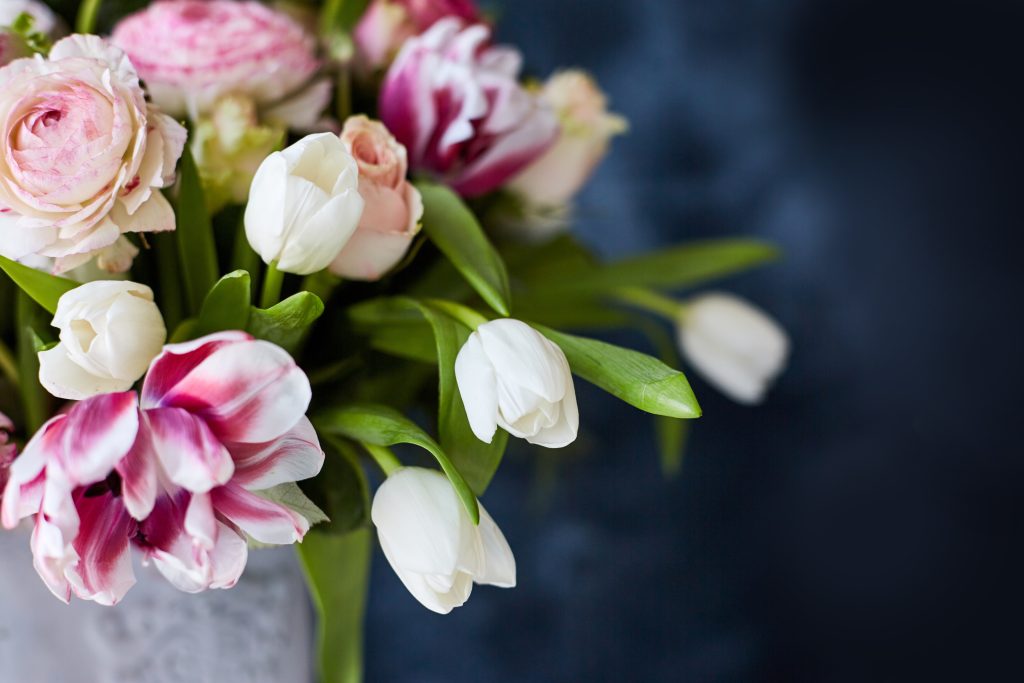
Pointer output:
x,y
392,207
190,53
83,154
433,545
7,450
387,24
456,104
183,473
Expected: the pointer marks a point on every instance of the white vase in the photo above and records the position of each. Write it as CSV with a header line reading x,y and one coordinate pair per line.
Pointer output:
x,y
260,631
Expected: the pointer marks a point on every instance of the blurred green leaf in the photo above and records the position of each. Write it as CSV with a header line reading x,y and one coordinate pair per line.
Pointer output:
x,y
672,434
286,323
341,15
226,306
35,400
292,497
45,289
636,378
414,341
197,250
337,569
384,426
451,225
340,489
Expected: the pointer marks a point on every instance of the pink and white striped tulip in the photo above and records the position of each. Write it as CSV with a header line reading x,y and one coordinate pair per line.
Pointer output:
x,y
387,24
184,474
7,449
456,104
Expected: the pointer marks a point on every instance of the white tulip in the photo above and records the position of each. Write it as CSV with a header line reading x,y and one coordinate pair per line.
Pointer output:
x,y
304,204
512,376
433,545
109,333
733,345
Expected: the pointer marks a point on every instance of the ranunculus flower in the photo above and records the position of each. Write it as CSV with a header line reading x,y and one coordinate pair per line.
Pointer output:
x,y
304,204
387,24
733,345
190,53
184,474
511,376
109,333
433,545
392,207
587,128
456,104
83,154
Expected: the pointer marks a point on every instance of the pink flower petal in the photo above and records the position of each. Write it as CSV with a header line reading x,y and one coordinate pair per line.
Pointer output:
x,y
265,521
103,572
294,456
97,434
191,455
51,556
139,479
23,493
177,360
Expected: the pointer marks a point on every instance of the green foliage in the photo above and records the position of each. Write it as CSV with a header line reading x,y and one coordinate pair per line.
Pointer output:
x,y
197,251
226,306
340,489
44,288
286,323
35,400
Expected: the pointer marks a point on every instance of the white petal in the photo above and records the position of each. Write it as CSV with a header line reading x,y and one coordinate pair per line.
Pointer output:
x,y
478,387
499,562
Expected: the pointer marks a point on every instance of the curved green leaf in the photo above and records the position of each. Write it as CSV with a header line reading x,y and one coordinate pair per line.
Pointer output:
x,y
44,288
288,322
227,305
197,251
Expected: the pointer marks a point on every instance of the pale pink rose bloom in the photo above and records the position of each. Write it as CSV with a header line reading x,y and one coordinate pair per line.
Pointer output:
x,y
457,105
183,474
587,129
387,24
392,207
192,52
83,154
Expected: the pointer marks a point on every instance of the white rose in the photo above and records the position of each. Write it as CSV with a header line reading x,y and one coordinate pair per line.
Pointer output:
x,y
109,333
304,204
433,545
514,377
733,345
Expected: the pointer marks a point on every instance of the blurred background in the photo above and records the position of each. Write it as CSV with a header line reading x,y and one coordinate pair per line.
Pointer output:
x,y
863,524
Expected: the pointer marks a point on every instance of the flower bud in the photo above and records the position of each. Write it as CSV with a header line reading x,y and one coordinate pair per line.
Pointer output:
x,y
514,377
587,128
393,207
109,333
733,345
304,204
433,545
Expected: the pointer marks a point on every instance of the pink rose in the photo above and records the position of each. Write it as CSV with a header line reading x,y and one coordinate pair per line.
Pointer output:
x,y
456,104
392,206
191,52
83,154
387,24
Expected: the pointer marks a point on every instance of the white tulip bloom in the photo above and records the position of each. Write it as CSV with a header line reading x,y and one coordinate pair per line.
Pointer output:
x,y
433,545
109,333
512,376
733,345
304,204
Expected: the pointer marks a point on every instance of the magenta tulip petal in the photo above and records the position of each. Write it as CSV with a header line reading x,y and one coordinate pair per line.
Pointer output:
x,y
294,456
51,556
191,455
139,478
177,360
98,432
264,520
103,572
252,392
23,493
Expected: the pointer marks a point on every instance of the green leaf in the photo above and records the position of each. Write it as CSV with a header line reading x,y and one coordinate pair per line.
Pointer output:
x,y
44,288
337,570
454,229
286,323
291,496
227,305
341,15
341,488
196,248
414,341
475,459
34,399
384,426
634,377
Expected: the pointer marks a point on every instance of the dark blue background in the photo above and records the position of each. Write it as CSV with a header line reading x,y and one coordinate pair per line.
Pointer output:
x,y
864,523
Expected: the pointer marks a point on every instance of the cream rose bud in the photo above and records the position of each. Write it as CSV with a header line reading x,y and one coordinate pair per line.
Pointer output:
x,y
587,128
392,206
109,333
304,204
433,545
733,345
511,376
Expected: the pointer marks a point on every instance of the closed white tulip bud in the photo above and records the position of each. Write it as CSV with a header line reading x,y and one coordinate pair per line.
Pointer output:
x,y
511,376
304,204
433,545
109,333
733,345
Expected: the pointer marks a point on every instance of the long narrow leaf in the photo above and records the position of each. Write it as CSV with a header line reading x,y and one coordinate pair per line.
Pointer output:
x,y
196,248
44,288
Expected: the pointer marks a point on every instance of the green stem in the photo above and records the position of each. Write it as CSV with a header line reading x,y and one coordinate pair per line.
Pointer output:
x,y
648,300
322,284
343,92
272,282
385,459
85,22
8,364
464,314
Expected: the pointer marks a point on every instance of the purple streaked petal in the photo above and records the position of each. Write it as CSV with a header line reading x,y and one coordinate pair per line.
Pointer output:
x,y
191,455
177,360
97,434
26,472
51,556
103,572
139,478
265,521
294,456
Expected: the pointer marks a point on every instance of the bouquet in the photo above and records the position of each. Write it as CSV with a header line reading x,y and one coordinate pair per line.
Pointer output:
x,y
259,257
